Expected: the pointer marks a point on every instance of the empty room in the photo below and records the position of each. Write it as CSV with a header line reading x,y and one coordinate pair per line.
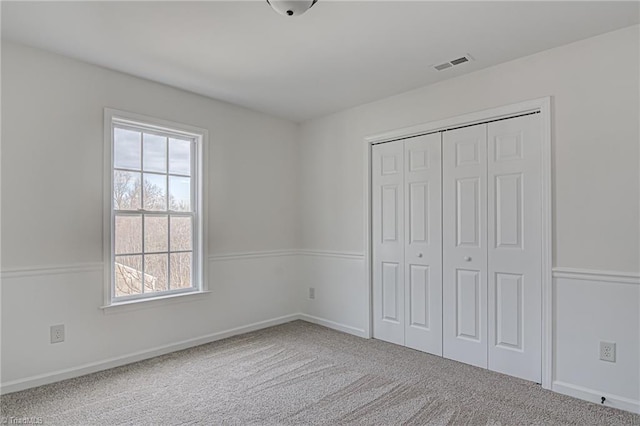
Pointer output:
x,y
320,212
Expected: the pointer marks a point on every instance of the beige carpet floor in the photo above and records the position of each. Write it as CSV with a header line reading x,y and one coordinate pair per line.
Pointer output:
x,y
299,373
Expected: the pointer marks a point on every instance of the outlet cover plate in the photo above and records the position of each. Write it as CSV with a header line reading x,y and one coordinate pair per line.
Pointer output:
x,y
57,333
312,293
608,351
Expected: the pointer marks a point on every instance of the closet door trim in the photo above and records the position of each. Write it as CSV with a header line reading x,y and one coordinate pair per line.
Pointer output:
x,y
541,106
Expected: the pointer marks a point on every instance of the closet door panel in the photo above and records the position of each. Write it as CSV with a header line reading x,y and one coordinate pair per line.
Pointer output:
x,y
388,241
464,174
423,240
515,263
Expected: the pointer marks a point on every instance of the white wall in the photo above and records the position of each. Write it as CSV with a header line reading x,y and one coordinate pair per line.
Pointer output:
x,y
275,187
52,143
595,89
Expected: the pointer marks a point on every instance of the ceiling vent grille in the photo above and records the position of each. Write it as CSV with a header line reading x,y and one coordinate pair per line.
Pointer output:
x,y
453,62
443,66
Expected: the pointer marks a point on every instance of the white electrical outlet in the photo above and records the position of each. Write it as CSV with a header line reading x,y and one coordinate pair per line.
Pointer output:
x,y
57,333
608,351
312,293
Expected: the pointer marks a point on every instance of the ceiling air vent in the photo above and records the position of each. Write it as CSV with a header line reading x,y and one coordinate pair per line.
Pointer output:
x,y
453,62
443,66
460,61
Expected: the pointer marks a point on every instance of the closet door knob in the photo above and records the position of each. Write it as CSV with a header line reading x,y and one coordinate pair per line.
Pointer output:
x,y
467,259
419,254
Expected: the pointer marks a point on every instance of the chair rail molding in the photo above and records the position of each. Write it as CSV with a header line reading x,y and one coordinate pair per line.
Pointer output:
x,y
331,253
82,267
597,275
251,255
40,270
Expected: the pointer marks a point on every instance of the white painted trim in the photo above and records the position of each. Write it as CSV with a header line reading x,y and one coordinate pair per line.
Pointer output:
x,y
334,325
156,302
34,271
595,396
547,243
41,270
541,105
202,198
107,191
461,120
595,275
328,253
251,255
201,136
558,272
93,367
292,252
368,239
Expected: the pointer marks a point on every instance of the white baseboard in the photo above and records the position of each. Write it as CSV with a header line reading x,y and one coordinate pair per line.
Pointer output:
x,y
334,325
595,396
575,391
93,367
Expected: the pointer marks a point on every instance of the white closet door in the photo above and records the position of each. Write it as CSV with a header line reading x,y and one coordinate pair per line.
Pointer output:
x,y
388,241
464,244
423,244
515,263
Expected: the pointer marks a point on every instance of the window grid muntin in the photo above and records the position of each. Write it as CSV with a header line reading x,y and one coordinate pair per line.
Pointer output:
x,y
122,169
142,214
154,252
196,255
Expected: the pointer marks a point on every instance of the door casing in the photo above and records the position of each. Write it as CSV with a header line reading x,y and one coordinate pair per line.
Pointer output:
x,y
540,105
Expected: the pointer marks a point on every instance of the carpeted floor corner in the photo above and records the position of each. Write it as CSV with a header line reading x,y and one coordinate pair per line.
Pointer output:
x,y
299,373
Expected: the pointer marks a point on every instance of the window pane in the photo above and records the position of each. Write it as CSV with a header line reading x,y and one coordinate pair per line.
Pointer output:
x,y
155,192
180,270
128,275
155,233
128,234
126,149
180,193
155,273
155,153
180,233
180,156
126,190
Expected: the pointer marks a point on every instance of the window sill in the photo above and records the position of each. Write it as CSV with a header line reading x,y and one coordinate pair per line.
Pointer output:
x,y
134,305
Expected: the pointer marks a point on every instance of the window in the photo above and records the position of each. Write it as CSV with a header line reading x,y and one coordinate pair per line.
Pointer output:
x,y
155,231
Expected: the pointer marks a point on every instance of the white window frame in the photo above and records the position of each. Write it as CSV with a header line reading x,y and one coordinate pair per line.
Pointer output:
x,y
112,118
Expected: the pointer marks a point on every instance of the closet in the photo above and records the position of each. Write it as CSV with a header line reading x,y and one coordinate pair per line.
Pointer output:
x,y
456,238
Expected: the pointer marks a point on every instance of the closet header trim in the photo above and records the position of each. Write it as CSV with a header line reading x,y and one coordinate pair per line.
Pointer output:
x,y
447,129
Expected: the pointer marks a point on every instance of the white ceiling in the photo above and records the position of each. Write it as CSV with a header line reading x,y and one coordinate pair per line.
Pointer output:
x,y
339,54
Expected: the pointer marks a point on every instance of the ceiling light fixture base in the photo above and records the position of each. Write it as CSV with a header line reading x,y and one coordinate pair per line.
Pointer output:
x,y
291,7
